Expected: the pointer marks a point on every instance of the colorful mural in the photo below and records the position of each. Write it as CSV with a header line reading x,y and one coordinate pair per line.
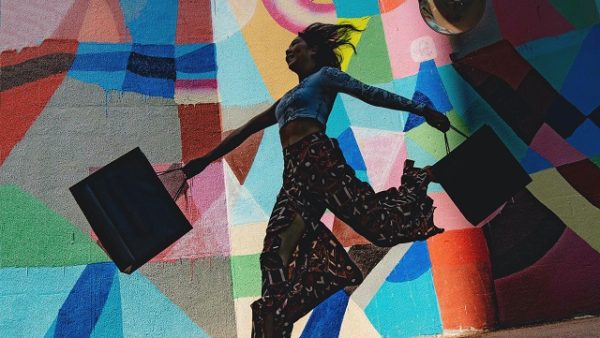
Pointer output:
x,y
85,81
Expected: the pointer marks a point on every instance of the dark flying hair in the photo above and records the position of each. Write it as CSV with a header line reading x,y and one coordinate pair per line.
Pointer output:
x,y
327,38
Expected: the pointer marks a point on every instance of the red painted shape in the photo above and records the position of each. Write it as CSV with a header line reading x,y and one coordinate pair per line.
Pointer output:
x,y
584,176
522,21
200,129
344,233
240,159
500,59
563,283
20,106
194,23
462,275
94,20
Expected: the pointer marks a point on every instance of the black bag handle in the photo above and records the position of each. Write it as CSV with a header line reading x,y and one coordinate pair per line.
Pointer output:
x,y
446,138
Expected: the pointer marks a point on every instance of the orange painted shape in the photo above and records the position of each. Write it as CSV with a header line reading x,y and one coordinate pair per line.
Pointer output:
x,y
200,129
389,5
241,158
104,22
462,276
194,23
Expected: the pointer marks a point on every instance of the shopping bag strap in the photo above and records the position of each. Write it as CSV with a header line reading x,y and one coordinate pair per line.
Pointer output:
x,y
446,138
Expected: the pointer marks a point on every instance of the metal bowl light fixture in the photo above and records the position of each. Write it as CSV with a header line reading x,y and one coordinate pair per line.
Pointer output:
x,y
451,17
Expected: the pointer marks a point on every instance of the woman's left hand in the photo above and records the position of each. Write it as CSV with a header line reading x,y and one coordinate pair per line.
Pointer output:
x,y
437,120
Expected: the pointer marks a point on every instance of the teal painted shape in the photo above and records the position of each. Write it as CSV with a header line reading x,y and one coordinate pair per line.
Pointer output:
x,y
553,57
422,158
151,21
110,323
31,297
51,331
362,175
406,309
240,83
264,179
362,114
356,9
338,119
147,312
245,209
460,93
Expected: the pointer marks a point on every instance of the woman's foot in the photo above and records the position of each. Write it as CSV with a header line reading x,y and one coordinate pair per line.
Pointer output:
x,y
429,170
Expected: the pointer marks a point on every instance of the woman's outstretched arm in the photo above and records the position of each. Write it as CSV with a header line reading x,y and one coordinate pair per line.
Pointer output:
x,y
232,141
342,82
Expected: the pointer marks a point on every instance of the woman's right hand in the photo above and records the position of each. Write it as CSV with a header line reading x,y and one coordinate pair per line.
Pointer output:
x,y
195,166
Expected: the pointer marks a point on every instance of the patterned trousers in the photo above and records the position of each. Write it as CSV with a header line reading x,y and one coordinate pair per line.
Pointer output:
x,y
316,177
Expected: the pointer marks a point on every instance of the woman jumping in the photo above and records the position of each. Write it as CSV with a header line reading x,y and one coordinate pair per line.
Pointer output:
x,y
302,263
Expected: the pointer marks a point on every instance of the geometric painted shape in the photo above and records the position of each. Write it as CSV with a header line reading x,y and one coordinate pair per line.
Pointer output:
x,y
326,319
430,84
245,274
148,312
534,20
110,322
415,120
34,235
584,177
580,14
371,63
407,48
296,15
194,22
533,162
351,151
352,9
31,297
521,234
584,75
586,138
553,148
247,239
462,277
200,129
562,284
103,22
240,159
346,235
242,207
338,119
413,264
151,21
563,116
200,289
82,309
366,257
406,309
148,85
356,323
576,212
196,58
102,64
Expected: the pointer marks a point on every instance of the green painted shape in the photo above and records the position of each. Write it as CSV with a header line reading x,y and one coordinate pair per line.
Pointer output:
x,y
432,141
580,13
371,64
245,272
33,235
596,161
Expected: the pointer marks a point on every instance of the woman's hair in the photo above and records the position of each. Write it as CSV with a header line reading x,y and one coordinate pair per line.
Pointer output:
x,y
327,38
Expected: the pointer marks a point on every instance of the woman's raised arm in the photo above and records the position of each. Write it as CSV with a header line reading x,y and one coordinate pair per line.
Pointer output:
x,y
232,141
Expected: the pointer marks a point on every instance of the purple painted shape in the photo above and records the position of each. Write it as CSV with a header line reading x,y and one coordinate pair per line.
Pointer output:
x,y
196,84
563,283
553,147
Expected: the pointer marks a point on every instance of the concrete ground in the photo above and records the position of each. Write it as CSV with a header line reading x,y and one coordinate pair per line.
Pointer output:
x,y
586,327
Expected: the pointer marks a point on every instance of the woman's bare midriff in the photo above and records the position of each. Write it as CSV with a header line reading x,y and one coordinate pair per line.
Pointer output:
x,y
297,129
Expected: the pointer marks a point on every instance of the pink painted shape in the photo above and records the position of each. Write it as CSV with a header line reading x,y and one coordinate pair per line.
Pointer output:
x,y
564,282
104,22
521,21
28,23
328,219
196,84
551,146
402,26
316,7
294,22
382,153
447,215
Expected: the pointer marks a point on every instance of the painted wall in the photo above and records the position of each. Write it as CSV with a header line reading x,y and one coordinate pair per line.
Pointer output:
x,y
83,82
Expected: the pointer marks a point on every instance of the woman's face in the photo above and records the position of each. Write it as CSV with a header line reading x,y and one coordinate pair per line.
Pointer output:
x,y
299,56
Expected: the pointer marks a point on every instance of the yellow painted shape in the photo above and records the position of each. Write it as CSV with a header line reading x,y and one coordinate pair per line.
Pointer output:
x,y
346,51
550,188
267,42
247,239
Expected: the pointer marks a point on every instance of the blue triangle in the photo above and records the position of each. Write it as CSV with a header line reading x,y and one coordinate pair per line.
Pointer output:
x,y
110,323
326,319
430,84
338,119
351,151
533,162
415,120
412,265
82,308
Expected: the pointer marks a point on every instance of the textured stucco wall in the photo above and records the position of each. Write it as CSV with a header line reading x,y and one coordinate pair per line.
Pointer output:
x,y
84,81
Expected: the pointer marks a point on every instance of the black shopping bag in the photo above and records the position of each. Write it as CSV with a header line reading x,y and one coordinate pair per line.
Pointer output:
x,y
480,174
130,210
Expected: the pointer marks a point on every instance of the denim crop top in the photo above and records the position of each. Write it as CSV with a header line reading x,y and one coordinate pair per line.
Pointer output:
x,y
313,97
